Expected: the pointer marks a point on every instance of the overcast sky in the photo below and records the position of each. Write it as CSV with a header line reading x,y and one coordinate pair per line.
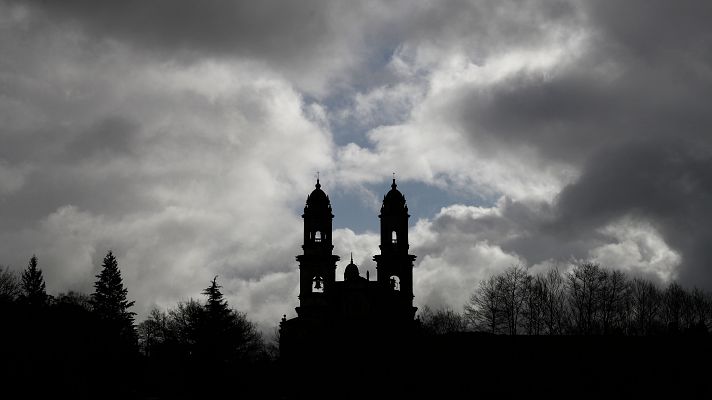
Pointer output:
x,y
186,135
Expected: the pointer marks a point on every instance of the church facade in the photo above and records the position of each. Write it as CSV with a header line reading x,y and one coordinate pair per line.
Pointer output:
x,y
357,308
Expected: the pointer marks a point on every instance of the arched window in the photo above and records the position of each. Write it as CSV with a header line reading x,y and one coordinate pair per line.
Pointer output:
x,y
394,282
317,236
394,237
318,284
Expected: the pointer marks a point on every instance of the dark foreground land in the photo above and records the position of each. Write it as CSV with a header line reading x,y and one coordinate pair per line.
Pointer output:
x,y
465,365
470,365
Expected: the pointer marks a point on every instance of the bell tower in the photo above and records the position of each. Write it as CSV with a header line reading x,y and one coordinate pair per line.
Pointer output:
x,y
394,265
317,266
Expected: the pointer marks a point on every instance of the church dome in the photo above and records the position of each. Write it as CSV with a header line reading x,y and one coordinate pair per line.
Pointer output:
x,y
351,272
394,200
318,200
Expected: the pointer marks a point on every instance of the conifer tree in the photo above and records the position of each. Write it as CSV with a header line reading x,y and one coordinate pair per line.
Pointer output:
x,y
109,299
33,285
227,334
214,343
216,306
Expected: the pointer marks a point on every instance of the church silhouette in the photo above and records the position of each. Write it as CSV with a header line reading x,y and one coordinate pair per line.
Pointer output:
x,y
359,311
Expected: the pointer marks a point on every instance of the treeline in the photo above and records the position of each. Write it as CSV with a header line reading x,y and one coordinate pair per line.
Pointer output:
x,y
89,345
77,343
197,343
585,300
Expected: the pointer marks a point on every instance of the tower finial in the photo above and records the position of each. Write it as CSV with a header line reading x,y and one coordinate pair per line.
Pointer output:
x,y
318,185
352,257
393,186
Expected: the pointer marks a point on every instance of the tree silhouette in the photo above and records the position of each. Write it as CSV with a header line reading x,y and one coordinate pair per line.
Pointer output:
x,y
555,311
226,335
75,299
184,325
513,288
585,283
674,307
535,305
195,344
33,285
483,311
442,321
216,306
110,302
272,346
9,285
586,300
214,341
701,310
645,306
615,296
152,332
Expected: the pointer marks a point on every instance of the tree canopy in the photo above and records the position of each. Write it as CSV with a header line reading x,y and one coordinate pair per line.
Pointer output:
x,y
32,284
110,298
585,300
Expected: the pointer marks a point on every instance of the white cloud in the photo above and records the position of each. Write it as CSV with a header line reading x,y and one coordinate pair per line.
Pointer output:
x,y
432,144
639,249
198,176
363,246
448,279
452,262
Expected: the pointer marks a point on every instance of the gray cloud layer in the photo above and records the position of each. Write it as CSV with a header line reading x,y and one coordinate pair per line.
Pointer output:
x,y
632,115
184,135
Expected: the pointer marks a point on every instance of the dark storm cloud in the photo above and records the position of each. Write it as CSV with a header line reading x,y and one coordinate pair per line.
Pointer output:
x,y
581,108
274,28
315,43
310,42
285,29
62,163
109,135
657,30
632,114
667,182
483,27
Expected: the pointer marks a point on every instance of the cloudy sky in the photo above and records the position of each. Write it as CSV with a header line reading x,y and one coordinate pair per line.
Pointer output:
x,y
186,135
